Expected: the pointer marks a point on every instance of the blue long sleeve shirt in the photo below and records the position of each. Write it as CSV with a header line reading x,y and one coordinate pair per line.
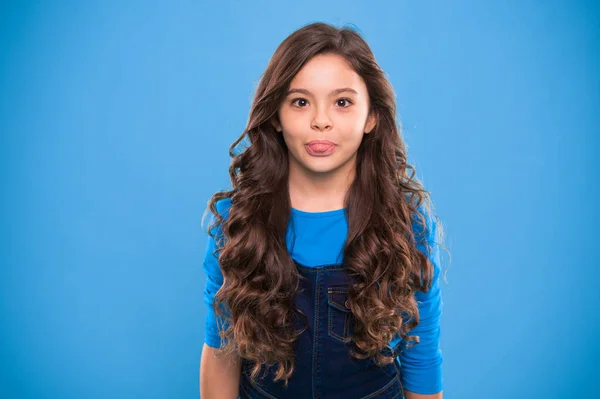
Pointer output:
x,y
317,238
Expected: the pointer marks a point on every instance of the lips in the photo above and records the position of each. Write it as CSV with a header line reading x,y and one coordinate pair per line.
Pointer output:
x,y
320,145
320,148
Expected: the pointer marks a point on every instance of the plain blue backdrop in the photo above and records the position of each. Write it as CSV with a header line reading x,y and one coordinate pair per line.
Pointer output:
x,y
116,119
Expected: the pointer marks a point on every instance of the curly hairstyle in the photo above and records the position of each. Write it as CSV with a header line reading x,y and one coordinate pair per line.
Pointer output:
x,y
380,251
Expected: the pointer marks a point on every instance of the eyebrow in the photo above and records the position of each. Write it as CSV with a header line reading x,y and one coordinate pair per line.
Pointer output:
x,y
332,93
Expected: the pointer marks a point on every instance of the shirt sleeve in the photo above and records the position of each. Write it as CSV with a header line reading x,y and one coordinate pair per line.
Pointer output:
x,y
421,364
214,281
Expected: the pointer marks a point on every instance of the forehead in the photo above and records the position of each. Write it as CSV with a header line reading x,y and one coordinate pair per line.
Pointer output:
x,y
326,72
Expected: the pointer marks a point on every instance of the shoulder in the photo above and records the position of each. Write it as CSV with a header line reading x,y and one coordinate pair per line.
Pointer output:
x,y
223,205
428,240
425,214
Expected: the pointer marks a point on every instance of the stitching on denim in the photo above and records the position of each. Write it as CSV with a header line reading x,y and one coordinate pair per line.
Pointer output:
x,y
316,334
399,395
399,374
347,326
331,299
254,385
246,391
382,389
398,348
330,316
332,332
262,391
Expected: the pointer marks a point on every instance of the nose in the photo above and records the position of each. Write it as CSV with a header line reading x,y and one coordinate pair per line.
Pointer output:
x,y
321,121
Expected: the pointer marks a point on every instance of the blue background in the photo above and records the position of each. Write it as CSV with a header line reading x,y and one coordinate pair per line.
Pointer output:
x,y
115,122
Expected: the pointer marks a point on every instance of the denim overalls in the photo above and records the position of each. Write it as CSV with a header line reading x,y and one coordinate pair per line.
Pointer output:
x,y
324,368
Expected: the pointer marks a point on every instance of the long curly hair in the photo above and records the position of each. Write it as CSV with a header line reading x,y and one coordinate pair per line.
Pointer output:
x,y
260,280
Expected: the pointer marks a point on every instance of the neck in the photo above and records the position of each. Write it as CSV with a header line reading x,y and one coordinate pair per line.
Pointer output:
x,y
320,192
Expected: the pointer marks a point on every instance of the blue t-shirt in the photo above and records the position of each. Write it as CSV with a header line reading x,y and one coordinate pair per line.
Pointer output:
x,y
317,238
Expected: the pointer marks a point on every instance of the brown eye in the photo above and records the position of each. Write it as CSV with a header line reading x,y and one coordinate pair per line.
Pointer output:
x,y
298,99
347,100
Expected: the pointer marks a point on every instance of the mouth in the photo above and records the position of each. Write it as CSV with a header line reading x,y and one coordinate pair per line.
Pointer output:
x,y
320,148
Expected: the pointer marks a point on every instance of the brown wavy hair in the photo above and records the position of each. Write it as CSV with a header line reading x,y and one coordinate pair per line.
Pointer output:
x,y
260,279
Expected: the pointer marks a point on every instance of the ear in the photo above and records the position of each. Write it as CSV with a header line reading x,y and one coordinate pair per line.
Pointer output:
x,y
371,121
276,124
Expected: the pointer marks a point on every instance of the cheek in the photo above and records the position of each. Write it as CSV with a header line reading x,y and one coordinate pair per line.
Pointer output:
x,y
350,125
352,132
294,131
292,141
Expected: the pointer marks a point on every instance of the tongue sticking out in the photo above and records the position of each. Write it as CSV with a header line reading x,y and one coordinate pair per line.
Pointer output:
x,y
320,147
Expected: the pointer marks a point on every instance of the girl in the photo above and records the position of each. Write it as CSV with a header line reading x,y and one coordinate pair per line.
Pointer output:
x,y
322,262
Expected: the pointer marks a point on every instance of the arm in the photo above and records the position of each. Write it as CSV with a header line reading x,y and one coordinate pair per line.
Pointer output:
x,y
421,364
219,376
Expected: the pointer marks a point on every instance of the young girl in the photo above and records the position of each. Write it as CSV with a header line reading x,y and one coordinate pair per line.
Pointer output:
x,y
322,261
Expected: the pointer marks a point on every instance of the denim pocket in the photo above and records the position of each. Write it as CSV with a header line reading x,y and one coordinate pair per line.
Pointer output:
x,y
391,390
339,317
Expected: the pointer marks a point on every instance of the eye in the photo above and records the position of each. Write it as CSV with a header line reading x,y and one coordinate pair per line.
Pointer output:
x,y
346,100
296,99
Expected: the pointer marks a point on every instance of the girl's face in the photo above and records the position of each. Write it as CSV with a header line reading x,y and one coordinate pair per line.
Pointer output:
x,y
327,101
